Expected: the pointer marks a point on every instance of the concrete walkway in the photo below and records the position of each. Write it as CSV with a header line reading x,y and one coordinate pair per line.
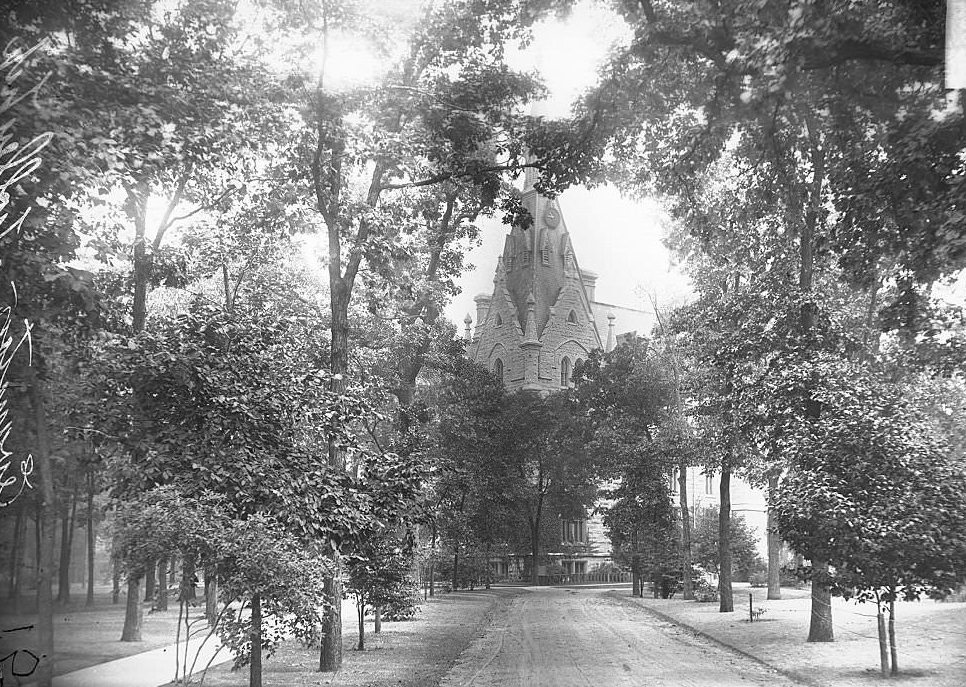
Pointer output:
x,y
157,667
147,669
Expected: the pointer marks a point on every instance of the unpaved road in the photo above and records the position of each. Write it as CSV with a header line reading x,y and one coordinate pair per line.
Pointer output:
x,y
566,638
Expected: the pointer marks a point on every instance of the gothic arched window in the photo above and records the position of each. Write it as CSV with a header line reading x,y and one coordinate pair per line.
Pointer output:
x,y
498,369
565,372
499,320
572,317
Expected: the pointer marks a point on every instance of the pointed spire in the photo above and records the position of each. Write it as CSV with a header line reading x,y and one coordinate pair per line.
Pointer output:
x,y
530,334
467,321
610,332
538,108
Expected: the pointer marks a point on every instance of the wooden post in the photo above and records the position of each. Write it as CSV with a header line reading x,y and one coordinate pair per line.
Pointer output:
x,y
751,607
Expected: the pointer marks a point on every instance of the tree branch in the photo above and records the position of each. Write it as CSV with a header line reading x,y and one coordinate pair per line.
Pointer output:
x,y
208,206
166,220
446,176
855,50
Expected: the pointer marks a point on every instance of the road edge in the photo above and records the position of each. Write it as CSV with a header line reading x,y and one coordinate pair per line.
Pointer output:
x,y
482,624
790,674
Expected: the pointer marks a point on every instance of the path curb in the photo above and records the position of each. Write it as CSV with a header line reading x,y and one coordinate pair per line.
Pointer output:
x,y
791,674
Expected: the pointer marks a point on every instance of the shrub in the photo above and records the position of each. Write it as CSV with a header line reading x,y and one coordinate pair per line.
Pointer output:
x,y
705,592
758,579
405,606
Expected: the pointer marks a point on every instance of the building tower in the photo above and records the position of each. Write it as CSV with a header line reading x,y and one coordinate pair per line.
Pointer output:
x,y
539,323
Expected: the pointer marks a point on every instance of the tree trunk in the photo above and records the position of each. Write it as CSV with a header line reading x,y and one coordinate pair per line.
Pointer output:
x,y
883,641
687,561
456,566
486,571
162,604
636,576
143,262
361,613
535,531
534,555
893,652
774,547
134,613
377,619
432,560
46,523
211,595
189,580
91,539
725,592
820,625
330,655
16,553
116,582
255,667
66,547
150,581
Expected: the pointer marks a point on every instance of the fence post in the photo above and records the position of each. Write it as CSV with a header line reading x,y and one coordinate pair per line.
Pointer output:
x,y
751,608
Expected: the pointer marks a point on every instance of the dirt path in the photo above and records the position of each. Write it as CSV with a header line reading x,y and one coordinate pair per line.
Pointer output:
x,y
562,637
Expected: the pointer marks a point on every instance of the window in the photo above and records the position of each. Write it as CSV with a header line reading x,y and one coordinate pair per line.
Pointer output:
x,y
499,320
498,368
708,484
575,567
545,254
525,258
565,372
573,531
572,317
674,481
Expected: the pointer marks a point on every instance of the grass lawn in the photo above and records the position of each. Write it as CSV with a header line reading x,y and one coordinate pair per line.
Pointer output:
x,y
87,636
930,636
415,653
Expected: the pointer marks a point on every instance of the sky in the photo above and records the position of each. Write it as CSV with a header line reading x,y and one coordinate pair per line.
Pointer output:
x,y
617,237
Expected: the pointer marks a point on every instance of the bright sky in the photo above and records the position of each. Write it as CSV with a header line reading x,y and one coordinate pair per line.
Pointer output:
x,y
618,238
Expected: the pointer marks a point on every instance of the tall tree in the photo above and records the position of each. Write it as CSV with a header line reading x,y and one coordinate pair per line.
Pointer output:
x,y
780,78
442,114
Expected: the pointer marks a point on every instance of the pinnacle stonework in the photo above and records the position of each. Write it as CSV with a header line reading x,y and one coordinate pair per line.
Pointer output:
x,y
541,318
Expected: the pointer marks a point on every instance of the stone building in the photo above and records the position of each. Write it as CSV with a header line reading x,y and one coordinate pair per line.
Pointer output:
x,y
542,319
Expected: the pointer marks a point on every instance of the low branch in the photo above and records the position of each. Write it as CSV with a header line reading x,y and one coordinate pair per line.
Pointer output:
x,y
446,176
854,50
208,206
166,220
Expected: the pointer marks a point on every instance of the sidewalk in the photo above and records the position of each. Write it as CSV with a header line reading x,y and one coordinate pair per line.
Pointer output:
x,y
147,669
931,638
157,666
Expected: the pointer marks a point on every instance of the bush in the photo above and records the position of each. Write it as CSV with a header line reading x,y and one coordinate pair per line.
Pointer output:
x,y
758,579
405,606
705,592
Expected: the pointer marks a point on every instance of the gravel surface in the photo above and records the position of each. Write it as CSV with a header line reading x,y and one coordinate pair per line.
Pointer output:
x,y
566,637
